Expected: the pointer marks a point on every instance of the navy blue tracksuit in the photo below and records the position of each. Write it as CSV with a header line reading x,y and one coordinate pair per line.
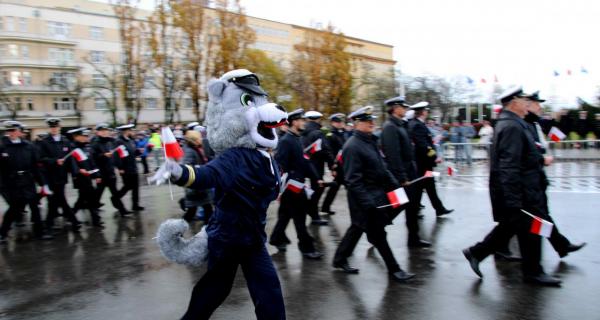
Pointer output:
x,y
246,181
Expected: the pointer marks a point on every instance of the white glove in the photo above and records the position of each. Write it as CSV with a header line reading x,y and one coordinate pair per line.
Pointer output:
x,y
169,170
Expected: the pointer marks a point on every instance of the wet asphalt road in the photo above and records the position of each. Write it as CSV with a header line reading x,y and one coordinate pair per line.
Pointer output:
x,y
118,273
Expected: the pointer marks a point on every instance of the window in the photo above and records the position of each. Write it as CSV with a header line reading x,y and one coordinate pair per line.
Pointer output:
x,y
96,33
13,50
60,55
26,78
25,51
100,104
151,103
23,24
16,78
5,78
63,103
266,31
1,27
59,30
188,103
63,79
148,82
97,56
29,104
98,79
10,24
2,50
18,103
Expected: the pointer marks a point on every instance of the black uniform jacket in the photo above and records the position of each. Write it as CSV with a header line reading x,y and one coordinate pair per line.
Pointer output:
x,y
50,151
312,133
290,157
423,143
367,179
128,163
100,146
19,170
398,149
517,179
80,179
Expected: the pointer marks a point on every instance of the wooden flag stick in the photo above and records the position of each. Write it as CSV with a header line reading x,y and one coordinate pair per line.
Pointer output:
x,y
170,187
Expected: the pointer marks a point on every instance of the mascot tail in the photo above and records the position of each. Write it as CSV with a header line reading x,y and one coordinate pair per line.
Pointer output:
x,y
175,248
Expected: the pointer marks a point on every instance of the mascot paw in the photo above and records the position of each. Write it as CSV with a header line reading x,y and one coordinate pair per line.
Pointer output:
x,y
175,248
169,170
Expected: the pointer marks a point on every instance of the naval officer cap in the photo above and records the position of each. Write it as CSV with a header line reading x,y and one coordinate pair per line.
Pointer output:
x,y
313,115
125,127
363,114
511,93
10,125
80,131
420,105
337,117
102,126
191,125
536,97
296,114
245,80
396,101
53,122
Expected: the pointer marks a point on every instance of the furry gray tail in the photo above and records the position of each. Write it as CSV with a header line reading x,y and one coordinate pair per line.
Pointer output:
x,y
175,248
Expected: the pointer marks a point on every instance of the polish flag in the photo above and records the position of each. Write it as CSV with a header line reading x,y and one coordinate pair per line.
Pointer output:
x,y
556,135
452,171
314,147
397,197
172,148
431,174
45,191
541,227
79,155
122,151
338,157
294,186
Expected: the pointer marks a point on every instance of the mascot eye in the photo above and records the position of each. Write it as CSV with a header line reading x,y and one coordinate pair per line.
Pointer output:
x,y
246,100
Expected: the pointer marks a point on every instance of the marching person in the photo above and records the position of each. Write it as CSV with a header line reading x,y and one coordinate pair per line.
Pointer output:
x,y
19,170
399,157
336,139
294,199
321,156
194,198
102,149
425,156
517,182
53,149
127,166
84,172
367,181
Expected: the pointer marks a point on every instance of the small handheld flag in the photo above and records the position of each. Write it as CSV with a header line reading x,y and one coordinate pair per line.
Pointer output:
x,y
556,135
397,197
294,186
314,147
338,157
309,192
45,191
452,171
122,151
79,155
540,226
431,174
172,148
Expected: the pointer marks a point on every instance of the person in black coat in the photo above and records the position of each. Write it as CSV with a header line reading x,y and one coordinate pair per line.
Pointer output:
x,y
425,157
128,166
294,199
517,182
19,171
399,157
313,134
336,139
102,152
368,182
194,198
53,149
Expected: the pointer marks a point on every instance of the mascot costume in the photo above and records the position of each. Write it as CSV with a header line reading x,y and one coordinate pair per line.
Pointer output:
x,y
241,129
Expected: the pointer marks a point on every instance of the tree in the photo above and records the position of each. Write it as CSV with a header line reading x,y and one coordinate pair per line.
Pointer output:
x,y
375,88
321,71
272,77
108,87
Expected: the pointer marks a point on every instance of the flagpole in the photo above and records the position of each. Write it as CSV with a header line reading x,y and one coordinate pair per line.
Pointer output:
x,y
170,187
68,155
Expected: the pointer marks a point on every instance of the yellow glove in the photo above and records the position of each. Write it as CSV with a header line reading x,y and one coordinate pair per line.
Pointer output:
x,y
431,153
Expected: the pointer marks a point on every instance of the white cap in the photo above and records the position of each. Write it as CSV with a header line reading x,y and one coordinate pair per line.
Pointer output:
x,y
508,94
419,105
313,114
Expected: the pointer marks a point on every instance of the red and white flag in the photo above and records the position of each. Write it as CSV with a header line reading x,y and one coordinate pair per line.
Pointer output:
x,y
122,151
397,197
556,135
452,171
79,155
431,174
45,191
294,186
172,148
338,157
541,227
314,147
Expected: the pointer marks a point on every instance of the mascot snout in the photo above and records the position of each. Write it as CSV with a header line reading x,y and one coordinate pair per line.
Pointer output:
x,y
263,120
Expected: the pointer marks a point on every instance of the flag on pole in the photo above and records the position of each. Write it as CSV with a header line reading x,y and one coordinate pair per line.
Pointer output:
x,y
541,227
294,186
172,148
556,135
569,72
397,197
584,70
338,157
314,147
470,80
45,191
122,151
483,80
495,78
79,155
452,171
431,174
556,74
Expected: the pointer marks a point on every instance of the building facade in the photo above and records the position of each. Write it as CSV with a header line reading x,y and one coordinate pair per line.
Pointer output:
x,y
48,47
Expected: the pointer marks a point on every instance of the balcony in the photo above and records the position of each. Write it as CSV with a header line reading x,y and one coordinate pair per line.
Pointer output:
x,y
33,89
34,37
38,63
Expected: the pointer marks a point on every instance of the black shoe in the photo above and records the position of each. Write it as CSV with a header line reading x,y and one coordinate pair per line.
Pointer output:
x,y
45,237
443,212
543,280
280,246
138,208
315,255
419,244
98,224
571,248
401,276
125,213
75,227
507,255
100,205
20,224
420,216
472,261
345,267
319,222
329,212
421,206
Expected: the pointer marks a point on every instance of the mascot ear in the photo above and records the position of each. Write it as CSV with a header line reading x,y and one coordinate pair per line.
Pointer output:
x,y
215,89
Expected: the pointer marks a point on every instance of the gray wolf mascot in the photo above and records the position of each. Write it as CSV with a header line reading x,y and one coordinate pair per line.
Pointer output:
x,y
241,128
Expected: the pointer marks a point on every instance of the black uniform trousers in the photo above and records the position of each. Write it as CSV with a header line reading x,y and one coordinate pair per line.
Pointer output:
x,y
413,192
130,182
15,209
376,235
58,200
261,278
111,183
87,199
293,206
313,202
429,186
332,192
530,244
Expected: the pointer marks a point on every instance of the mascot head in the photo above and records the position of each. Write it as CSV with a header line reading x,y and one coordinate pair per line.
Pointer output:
x,y
239,114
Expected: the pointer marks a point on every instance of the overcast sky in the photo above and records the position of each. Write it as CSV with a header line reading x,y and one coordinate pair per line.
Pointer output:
x,y
519,41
